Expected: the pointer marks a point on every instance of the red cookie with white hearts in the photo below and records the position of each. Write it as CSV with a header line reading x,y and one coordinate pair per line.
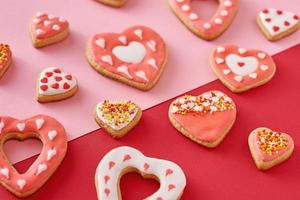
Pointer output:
x,y
277,24
48,29
117,117
136,57
240,69
5,58
55,85
115,3
206,29
122,160
269,148
205,119
51,133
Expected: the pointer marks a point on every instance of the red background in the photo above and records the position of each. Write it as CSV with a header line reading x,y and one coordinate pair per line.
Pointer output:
x,y
226,172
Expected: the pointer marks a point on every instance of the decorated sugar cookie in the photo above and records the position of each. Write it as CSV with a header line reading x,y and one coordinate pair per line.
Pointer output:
x,y
48,29
5,58
241,69
117,117
206,29
115,3
269,148
136,57
277,24
51,133
55,85
205,119
122,160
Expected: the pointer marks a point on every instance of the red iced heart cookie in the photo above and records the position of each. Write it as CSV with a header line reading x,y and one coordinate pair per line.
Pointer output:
x,y
241,69
269,148
205,119
135,57
277,24
115,3
5,58
51,133
54,85
206,29
48,29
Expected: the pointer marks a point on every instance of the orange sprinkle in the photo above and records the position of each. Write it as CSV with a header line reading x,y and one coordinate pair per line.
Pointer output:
x,y
271,142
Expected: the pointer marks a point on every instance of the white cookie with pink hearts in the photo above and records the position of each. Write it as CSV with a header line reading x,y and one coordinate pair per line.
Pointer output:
x,y
55,85
277,24
241,69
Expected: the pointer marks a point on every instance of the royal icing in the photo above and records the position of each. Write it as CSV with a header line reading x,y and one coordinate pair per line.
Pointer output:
x,y
211,28
277,21
241,67
128,54
171,177
44,26
53,81
5,56
39,126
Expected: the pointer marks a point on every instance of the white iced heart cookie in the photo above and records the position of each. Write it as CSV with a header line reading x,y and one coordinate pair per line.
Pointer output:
x,y
133,53
241,65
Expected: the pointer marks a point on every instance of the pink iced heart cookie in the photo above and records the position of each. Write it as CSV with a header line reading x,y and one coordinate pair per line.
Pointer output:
x,y
115,3
122,160
136,57
269,148
48,29
276,24
51,133
5,58
205,119
55,85
206,29
241,69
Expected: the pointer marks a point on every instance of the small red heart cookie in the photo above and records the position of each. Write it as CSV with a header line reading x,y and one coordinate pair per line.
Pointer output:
x,y
117,117
206,29
123,160
5,58
241,69
205,119
55,85
51,133
48,29
135,57
115,3
277,24
269,148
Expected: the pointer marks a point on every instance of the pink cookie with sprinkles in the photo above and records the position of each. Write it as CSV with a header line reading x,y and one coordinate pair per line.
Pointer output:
x,y
55,85
123,160
114,3
136,57
205,119
277,24
48,29
206,29
240,69
269,148
51,133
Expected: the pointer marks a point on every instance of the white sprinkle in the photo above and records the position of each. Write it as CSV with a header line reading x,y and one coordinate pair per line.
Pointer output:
x,y
61,19
52,134
228,3
100,42
242,50
185,7
4,172
220,49
152,45
207,25
39,123
56,27
21,183
122,39
238,78
41,168
1,126
264,67
39,31
152,62
51,16
124,69
139,33
36,20
261,55
226,71
47,23
193,16
107,59
224,13
142,75
218,21
219,60
50,154
253,75
21,126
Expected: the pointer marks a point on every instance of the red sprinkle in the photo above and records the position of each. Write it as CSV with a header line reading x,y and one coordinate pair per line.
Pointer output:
x,y
171,187
275,28
49,74
241,64
57,71
286,23
146,166
279,12
55,86
57,78
44,80
44,87
107,191
265,11
106,179
296,17
169,172
111,164
126,157
69,77
66,86
268,19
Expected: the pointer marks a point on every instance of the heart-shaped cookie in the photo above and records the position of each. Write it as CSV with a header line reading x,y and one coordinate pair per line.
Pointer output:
x,y
48,29
115,3
117,117
205,119
276,24
269,148
241,69
51,133
122,160
5,58
206,29
135,57
55,85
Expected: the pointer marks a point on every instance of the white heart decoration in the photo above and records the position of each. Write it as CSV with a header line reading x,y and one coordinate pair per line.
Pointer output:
x,y
134,53
241,66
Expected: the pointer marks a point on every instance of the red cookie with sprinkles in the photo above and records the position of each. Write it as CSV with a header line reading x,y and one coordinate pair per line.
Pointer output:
x,y
114,3
5,58
206,29
269,148
53,136
136,57
242,69
48,29
205,119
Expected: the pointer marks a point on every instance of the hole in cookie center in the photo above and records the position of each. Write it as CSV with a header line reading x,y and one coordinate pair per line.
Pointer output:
x,y
205,9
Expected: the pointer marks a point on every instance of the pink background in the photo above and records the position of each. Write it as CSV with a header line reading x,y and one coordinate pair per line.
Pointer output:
x,y
187,67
